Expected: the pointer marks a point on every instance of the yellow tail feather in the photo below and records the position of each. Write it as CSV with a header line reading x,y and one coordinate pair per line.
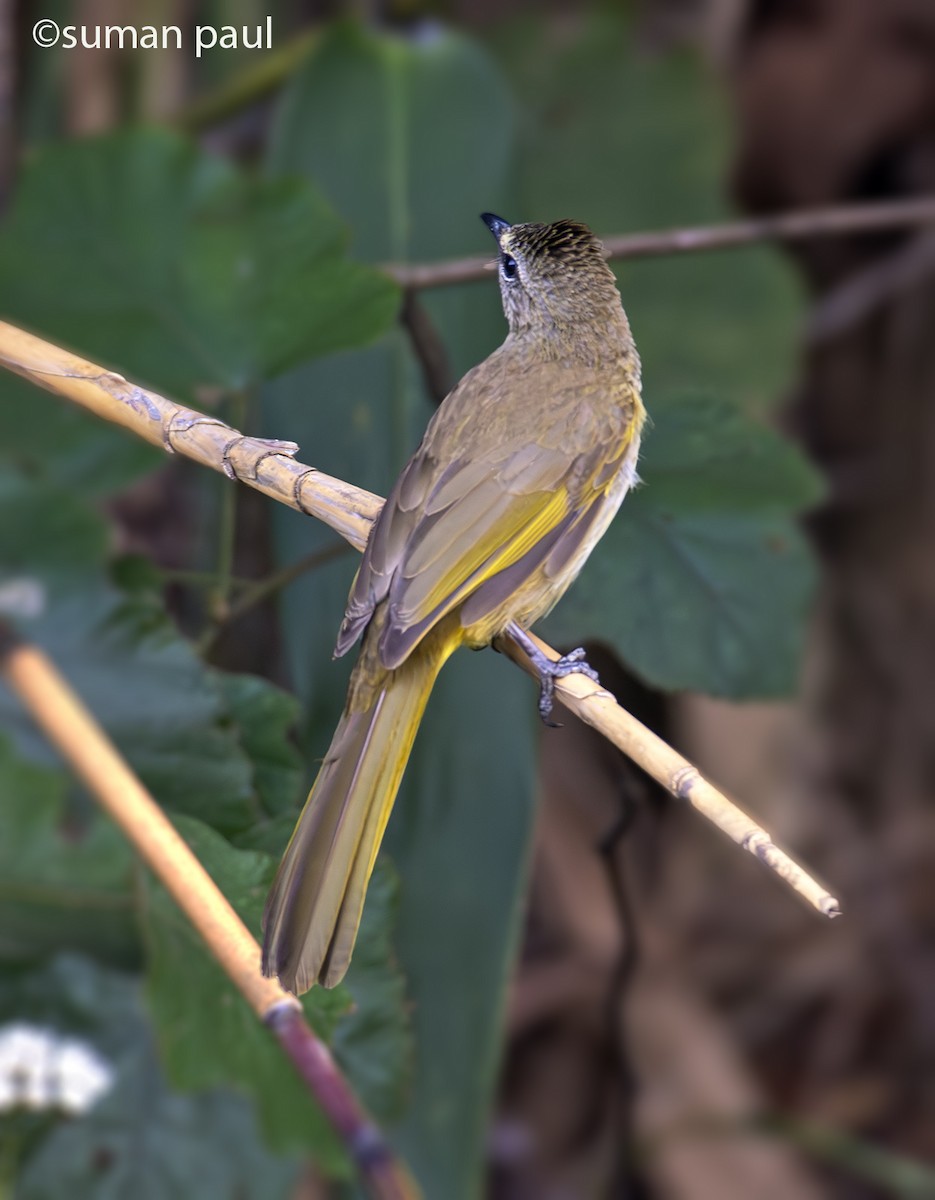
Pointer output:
x,y
315,905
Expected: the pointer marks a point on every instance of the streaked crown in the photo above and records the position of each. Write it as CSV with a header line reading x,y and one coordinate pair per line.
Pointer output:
x,y
554,278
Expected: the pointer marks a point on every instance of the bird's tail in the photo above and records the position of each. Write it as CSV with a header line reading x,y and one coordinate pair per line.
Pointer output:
x,y
314,908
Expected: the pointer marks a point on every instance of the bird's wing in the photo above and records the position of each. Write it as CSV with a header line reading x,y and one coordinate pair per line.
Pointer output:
x,y
447,530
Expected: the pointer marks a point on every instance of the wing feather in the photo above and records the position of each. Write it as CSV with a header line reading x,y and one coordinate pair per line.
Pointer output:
x,y
452,528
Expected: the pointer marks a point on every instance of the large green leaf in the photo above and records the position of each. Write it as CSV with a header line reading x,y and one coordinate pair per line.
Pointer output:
x,y
210,744
264,718
183,271
169,714
630,139
138,249
374,1043
703,580
79,886
208,1035
432,128
140,1139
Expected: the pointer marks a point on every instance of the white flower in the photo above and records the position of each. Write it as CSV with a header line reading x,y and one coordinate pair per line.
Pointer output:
x,y
24,598
25,1052
83,1076
40,1070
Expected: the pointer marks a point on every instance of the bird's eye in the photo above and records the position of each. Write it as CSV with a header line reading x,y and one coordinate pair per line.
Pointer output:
x,y
508,266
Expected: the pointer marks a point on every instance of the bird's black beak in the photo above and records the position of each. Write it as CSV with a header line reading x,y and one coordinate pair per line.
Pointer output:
x,y
496,225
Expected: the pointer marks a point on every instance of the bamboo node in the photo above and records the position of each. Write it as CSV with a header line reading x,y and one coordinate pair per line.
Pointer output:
x,y
683,781
182,421
226,464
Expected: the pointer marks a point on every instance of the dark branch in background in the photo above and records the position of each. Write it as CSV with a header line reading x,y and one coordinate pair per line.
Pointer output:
x,y
255,593
626,1179
786,227
864,292
845,305
427,345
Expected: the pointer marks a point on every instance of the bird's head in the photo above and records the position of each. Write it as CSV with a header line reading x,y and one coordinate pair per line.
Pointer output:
x,y
554,279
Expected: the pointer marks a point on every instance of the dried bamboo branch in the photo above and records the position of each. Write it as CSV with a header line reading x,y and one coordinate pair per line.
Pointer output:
x,y
784,227
264,464
271,467
598,708
66,722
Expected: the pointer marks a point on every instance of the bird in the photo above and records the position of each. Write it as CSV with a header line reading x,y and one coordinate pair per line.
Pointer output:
x,y
519,473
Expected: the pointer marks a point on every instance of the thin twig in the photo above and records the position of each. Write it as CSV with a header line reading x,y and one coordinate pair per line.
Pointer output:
x,y
271,468
262,589
427,346
785,227
200,579
867,291
895,1174
625,1175
66,722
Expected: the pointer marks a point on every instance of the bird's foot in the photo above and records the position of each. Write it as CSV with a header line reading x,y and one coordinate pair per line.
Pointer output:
x,y
572,663
548,670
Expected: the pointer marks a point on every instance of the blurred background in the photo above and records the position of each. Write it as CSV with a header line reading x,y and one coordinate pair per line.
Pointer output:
x,y
567,985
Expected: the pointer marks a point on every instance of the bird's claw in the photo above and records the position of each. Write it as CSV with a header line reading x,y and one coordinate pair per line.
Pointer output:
x,y
572,663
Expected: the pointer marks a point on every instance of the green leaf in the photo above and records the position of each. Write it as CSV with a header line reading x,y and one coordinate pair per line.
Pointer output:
x,y
212,744
704,579
147,1142
432,124
165,710
48,533
374,1042
140,1139
63,885
208,1035
209,743
264,718
724,323
142,251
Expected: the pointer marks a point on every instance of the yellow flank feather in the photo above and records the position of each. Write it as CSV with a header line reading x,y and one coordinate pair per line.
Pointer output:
x,y
529,521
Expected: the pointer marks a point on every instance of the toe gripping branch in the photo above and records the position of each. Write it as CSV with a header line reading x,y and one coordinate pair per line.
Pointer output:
x,y
549,669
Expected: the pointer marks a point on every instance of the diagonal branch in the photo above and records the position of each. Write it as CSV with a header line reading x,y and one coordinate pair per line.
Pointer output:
x,y
265,464
270,466
838,221
85,747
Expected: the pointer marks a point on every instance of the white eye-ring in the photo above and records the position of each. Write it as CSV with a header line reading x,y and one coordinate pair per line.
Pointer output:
x,y
508,266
